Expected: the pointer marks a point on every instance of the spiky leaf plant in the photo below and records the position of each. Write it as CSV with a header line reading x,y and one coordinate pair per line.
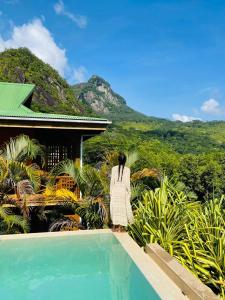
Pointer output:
x,y
189,231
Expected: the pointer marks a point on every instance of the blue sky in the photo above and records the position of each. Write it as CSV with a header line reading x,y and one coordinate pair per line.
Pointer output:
x,y
166,58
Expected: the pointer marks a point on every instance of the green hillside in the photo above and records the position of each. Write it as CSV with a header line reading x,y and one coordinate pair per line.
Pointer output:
x,y
52,93
194,137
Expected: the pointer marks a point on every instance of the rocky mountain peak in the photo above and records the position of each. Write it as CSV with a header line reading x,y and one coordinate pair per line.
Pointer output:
x,y
98,81
98,93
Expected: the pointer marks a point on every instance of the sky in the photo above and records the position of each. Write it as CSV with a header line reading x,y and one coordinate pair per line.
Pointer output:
x,y
166,58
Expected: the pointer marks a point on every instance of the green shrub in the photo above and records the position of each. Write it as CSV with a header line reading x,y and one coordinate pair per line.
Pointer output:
x,y
192,232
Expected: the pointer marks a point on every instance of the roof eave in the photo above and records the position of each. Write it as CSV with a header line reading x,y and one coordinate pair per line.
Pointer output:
x,y
105,122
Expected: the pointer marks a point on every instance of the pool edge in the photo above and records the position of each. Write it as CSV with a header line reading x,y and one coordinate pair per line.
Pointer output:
x,y
52,234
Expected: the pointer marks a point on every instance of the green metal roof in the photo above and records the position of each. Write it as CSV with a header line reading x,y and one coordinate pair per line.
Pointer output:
x,y
13,97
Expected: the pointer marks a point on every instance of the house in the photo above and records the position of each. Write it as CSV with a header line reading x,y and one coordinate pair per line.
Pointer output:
x,y
62,135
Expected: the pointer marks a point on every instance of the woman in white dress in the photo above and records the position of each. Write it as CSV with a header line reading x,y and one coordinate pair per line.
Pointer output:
x,y
120,207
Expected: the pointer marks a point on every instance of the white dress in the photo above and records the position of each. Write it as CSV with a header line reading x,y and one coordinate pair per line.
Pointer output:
x,y
120,207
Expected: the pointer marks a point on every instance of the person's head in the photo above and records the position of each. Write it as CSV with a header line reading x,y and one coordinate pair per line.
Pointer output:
x,y
122,159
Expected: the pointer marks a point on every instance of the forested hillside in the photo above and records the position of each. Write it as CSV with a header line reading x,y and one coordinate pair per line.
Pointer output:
x,y
52,93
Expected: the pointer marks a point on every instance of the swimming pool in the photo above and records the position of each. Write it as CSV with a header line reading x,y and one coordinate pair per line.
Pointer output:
x,y
72,267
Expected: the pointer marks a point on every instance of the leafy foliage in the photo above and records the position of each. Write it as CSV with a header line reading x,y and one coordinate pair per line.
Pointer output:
x,y
191,232
21,149
11,223
14,168
15,158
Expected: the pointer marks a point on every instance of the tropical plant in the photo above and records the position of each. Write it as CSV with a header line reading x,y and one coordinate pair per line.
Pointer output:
x,y
93,207
161,217
15,163
204,248
191,232
87,178
66,222
21,149
94,212
11,223
62,193
15,166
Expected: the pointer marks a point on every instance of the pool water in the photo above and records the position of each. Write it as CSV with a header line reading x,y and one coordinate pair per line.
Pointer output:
x,y
87,267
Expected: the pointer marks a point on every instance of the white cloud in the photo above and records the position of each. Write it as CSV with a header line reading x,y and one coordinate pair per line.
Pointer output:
x,y
79,74
184,118
60,9
211,106
36,37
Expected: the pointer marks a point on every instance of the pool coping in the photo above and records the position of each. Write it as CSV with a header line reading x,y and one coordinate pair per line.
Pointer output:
x,y
52,234
188,283
164,286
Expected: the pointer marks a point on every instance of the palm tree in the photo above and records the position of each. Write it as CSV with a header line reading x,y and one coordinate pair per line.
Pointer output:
x,y
16,162
15,165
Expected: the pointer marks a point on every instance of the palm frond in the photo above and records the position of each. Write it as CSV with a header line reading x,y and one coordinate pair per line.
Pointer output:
x,y
11,222
21,148
132,157
19,171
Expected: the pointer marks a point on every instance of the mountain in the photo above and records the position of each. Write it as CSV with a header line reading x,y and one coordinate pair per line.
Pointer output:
x,y
98,94
96,97
52,93
192,137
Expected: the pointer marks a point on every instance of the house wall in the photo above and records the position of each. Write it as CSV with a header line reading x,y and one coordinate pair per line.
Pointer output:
x,y
48,137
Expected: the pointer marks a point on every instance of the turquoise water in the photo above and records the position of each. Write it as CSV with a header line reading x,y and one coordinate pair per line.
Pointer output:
x,y
67,268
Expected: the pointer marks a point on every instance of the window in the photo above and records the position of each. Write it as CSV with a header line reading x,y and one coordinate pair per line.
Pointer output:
x,y
57,153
